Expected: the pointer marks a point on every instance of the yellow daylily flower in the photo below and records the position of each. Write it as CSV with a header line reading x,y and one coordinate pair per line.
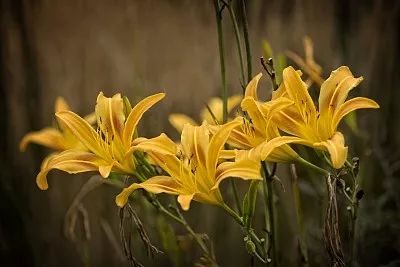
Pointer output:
x,y
258,128
107,147
178,120
194,170
58,139
308,64
314,127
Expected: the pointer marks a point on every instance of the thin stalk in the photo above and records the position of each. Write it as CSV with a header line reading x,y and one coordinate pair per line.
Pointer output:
x,y
355,199
180,219
312,166
224,92
271,218
246,40
299,215
249,232
238,41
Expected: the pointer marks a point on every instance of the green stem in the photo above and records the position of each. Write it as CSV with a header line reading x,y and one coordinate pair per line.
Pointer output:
x,y
271,218
312,166
299,216
248,232
224,95
238,41
246,40
180,219
236,197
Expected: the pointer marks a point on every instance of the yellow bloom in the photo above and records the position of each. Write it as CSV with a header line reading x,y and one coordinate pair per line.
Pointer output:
x,y
59,138
194,170
318,128
108,147
258,128
178,120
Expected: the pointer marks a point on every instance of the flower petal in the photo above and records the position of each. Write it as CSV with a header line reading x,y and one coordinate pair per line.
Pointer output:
x,y
161,144
48,137
82,130
185,200
194,141
136,114
351,105
250,106
298,92
179,120
70,161
61,105
216,144
246,169
268,148
110,114
336,149
155,185
251,88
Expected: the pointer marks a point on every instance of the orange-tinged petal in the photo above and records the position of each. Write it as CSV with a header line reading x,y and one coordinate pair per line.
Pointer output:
x,y
267,148
136,114
329,86
179,120
216,144
70,161
161,144
110,114
250,106
82,130
48,137
194,141
342,91
336,149
61,105
227,154
351,105
246,169
105,170
251,88
185,200
155,185
298,92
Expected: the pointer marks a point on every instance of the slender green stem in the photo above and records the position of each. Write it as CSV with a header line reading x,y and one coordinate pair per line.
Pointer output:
x,y
271,218
224,94
246,40
236,197
180,219
238,41
299,215
248,232
312,166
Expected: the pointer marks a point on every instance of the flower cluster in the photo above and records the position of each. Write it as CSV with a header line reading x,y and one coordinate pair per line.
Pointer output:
x,y
108,142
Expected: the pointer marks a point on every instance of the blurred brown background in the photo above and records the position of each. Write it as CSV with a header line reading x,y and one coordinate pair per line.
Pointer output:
x,y
75,48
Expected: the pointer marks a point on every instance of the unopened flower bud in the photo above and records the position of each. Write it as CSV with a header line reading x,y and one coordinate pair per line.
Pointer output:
x,y
250,246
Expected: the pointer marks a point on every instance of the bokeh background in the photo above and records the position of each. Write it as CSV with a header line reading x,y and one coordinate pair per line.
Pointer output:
x,y
75,48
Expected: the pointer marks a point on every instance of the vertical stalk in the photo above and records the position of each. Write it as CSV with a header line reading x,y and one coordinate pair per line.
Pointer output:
x,y
238,42
224,92
268,196
246,40
299,216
